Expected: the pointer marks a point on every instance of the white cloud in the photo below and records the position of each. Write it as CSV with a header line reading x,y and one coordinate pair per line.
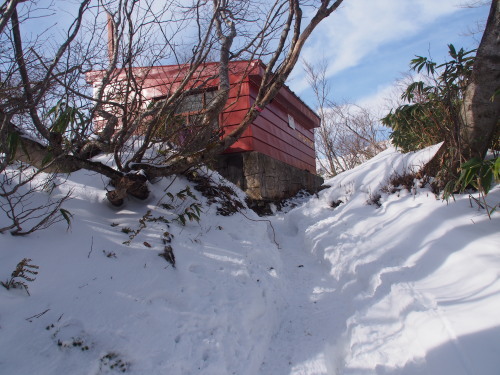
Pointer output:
x,y
360,27
382,100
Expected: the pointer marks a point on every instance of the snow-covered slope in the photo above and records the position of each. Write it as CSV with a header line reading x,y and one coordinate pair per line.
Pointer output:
x,y
99,306
409,287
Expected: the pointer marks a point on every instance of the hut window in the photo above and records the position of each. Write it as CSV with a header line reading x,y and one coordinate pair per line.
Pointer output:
x,y
291,121
192,106
196,102
190,112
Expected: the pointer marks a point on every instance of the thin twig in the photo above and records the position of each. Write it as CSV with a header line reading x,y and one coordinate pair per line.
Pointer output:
x,y
91,247
36,315
266,220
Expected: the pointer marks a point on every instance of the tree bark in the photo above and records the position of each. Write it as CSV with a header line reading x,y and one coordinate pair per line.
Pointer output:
x,y
480,111
481,107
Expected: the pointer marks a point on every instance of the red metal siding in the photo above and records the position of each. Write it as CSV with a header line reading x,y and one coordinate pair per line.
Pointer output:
x,y
236,108
274,137
289,146
282,156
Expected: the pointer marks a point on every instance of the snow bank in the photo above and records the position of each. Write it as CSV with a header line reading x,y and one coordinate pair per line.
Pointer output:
x,y
410,287
100,306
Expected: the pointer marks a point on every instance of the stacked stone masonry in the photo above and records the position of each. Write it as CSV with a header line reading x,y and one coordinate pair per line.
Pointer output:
x,y
265,178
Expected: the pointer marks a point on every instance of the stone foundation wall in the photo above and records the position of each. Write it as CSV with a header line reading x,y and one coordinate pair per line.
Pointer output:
x,y
265,178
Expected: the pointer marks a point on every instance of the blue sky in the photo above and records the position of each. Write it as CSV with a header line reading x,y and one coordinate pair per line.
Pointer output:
x,y
369,44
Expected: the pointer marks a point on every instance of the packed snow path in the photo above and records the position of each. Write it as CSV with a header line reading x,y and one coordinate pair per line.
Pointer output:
x,y
311,317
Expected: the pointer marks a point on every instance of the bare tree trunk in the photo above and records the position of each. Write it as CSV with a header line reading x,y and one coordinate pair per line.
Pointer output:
x,y
481,107
479,117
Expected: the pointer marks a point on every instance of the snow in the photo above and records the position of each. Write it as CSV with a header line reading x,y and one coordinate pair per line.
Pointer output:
x,y
410,287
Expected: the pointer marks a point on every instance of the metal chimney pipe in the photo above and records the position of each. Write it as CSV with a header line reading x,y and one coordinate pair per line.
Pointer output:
x,y
111,38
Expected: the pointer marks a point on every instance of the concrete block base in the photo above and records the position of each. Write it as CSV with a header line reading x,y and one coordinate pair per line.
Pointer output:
x,y
265,178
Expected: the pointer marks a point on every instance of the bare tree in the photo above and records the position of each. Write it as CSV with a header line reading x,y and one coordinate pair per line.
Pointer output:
x,y
50,119
349,134
474,3
23,213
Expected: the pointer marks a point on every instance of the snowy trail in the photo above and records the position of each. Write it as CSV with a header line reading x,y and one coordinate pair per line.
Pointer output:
x,y
311,338
311,319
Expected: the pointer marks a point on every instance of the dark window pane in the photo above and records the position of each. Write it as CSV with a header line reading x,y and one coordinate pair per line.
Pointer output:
x,y
191,103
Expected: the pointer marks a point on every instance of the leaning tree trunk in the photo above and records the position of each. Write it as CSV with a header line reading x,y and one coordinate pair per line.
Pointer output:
x,y
481,107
